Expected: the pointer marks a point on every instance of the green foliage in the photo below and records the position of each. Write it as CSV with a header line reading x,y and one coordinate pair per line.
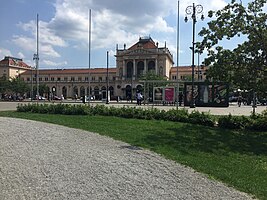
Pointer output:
x,y
234,122
201,118
244,65
254,122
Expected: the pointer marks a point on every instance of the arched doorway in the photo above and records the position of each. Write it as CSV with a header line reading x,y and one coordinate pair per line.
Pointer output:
x,y
75,91
64,92
82,91
87,91
129,72
139,88
104,92
128,92
111,90
96,93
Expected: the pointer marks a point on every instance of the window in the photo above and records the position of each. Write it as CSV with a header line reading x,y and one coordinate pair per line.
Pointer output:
x,y
86,78
40,79
173,77
79,78
28,79
58,78
93,78
46,78
114,78
100,79
52,79
65,78
72,78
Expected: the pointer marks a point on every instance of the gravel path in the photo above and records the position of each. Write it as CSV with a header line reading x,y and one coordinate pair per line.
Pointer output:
x,y
45,161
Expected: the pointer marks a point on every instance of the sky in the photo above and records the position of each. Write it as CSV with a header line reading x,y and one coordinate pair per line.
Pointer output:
x,y
64,24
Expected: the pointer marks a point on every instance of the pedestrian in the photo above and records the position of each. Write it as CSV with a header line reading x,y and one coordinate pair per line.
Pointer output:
x,y
239,100
139,98
181,96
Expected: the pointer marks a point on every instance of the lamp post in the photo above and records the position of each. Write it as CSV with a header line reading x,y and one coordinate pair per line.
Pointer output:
x,y
193,11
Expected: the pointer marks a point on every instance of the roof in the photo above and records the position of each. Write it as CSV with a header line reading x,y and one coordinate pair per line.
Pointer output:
x,y
185,69
16,62
145,43
72,71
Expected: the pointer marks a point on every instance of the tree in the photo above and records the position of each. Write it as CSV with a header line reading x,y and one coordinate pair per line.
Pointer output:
x,y
243,66
18,86
4,85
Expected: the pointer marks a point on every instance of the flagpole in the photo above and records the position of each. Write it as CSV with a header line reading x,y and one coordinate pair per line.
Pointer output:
x,y
89,57
177,52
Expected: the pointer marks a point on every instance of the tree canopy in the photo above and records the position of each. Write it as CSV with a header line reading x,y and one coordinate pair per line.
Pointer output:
x,y
244,65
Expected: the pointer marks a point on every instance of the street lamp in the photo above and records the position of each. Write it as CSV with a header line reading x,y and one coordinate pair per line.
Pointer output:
x,y
193,11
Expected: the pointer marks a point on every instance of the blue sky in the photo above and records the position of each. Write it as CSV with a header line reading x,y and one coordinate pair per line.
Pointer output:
x,y
63,29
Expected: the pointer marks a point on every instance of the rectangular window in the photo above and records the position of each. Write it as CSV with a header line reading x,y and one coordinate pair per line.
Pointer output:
x,y
93,78
100,79
28,79
40,79
114,78
52,79
72,78
58,78
46,78
86,78
65,78
79,78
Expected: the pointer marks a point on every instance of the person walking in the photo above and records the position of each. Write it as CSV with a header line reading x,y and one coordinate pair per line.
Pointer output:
x,y
239,100
139,98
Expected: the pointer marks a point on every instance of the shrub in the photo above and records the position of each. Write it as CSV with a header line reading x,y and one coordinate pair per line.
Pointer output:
x,y
234,122
254,122
196,117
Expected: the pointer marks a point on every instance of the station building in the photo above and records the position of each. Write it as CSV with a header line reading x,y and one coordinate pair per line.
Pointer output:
x,y
132,63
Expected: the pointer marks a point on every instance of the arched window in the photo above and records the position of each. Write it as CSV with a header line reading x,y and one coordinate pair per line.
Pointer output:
x,y
140,68
151,66
129,73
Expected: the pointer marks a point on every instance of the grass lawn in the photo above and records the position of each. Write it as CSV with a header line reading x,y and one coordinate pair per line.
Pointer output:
x,y
237,158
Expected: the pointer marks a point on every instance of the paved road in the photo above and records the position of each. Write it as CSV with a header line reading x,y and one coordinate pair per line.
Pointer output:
x,y
52,162
233,108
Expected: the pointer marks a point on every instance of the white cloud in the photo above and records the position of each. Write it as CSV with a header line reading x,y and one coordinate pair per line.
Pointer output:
x,y
4,52
113,22
21,55
54,64
29,44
